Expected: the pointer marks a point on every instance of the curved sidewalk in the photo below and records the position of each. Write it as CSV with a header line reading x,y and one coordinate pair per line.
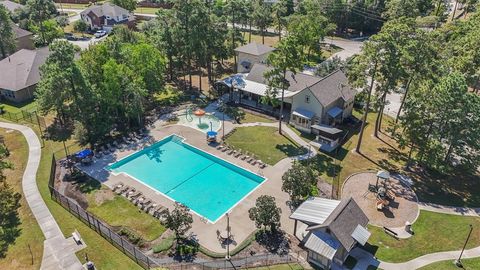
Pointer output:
x,y
58,252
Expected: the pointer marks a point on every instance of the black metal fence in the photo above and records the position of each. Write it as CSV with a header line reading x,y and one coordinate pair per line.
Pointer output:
x,y
31,117
97,225
236,262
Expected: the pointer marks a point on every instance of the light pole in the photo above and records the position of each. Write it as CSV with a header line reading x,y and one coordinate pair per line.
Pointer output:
x,y
222,107
228,237
458,261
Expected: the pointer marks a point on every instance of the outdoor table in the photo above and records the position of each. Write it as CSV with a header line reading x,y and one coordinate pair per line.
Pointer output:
x,y
382,192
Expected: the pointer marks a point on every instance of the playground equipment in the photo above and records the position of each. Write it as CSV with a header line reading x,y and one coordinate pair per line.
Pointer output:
x,y
188,114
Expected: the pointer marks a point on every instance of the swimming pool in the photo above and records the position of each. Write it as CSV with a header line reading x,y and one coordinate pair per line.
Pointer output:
x,y
208,185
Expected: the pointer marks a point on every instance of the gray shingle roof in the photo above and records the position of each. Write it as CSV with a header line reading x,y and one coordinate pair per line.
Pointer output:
x,y
107,9
332,87
297,82
19,32
11,6
21,69
255,49
343,221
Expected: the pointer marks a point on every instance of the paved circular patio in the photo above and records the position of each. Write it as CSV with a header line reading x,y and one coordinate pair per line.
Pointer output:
x,y
403,208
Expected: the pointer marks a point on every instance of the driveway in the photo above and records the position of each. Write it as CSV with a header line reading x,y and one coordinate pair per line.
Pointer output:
x,y
349,47
84,44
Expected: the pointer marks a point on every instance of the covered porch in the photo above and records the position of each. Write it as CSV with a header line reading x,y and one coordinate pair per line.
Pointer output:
x,y
328,138
302,119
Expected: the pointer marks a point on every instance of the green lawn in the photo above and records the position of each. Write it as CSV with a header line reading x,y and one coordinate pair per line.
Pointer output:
x,y
71,6
15,108
468,264
265,143
434,232
118,211
253,118
291,266
30,239
98,249
305,136
146,10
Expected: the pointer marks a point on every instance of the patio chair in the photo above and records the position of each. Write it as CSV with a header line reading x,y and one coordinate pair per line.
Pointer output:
x,y
230,151
157,211
379,205
122,190
105,151
138,199
131,192
150,207
97,153
110,147
238,154
262,165
391,195
220,147
119,185
132,137
145,204
137,135
254,162
124,139
225,148
245,157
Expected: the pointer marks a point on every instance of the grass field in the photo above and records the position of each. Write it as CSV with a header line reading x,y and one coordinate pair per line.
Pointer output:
x,y
15,108
265,143
434,232
18,255
71,6
253,118
99,250
118,211
146,10
468,264
291,266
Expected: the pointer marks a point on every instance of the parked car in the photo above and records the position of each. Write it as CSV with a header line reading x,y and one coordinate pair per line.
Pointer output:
x,y
100,33
70,36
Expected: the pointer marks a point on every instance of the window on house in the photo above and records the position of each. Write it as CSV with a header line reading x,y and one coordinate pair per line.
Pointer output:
x,y
307,99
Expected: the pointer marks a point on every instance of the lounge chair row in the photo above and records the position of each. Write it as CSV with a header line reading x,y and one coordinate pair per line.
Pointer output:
x,y
249,158
120,143
138,199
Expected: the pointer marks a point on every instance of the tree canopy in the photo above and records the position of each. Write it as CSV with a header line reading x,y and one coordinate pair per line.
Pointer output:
x,y
265,213
7,36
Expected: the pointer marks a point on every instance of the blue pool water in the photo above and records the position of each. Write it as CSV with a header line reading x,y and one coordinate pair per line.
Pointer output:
x,y
206,184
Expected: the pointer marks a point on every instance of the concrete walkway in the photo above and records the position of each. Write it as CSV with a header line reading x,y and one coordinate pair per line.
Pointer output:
x,y
58,252
365,259
462,211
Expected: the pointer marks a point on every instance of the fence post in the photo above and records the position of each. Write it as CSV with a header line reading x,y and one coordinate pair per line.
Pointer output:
x,y
78,212
121,242
88,220
135,254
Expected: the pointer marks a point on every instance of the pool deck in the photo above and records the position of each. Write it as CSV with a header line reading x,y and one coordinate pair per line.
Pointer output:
x,y
240,222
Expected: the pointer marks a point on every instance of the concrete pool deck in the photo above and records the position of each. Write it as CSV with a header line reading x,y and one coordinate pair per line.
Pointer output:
x,y
241,225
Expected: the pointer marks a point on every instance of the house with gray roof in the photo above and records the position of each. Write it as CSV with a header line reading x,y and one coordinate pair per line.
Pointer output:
x,y
23,38
20,73
330,229
10,5
312,104
251,54
105,16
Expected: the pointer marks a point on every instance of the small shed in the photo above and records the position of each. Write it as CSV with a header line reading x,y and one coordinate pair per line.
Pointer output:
x,y
334,228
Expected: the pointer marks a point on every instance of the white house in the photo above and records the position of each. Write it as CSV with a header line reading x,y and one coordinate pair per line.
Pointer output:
x,y
251,54
309,100
105,16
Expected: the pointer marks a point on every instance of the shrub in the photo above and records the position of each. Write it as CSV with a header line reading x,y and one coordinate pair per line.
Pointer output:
x,y
80,26
132,237
164,245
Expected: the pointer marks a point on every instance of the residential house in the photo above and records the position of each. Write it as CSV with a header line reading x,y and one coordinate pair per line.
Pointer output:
x,y
311,103
19,74
330,229
11,6
23,38
251,54
106,16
